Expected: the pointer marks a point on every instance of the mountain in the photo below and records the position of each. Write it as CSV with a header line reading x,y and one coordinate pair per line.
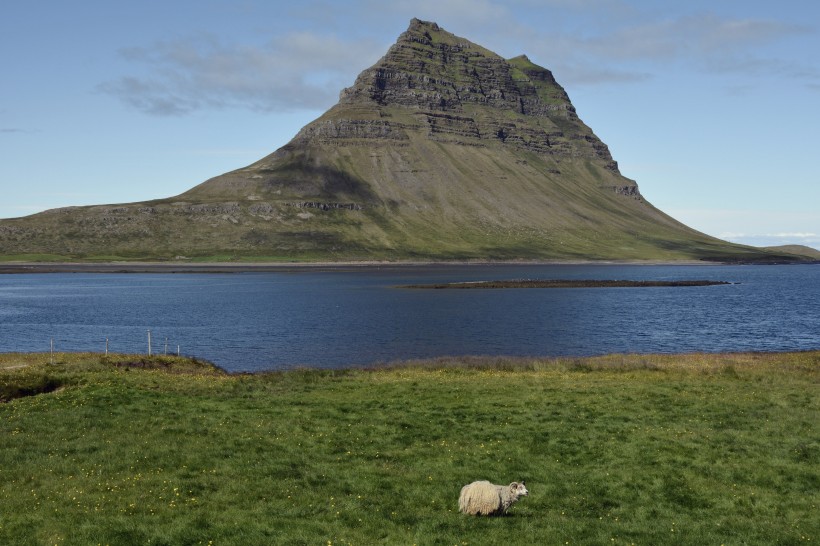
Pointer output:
x,y
441,150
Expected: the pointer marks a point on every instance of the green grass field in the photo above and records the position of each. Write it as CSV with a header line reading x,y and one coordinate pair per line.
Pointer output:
x,y
690,449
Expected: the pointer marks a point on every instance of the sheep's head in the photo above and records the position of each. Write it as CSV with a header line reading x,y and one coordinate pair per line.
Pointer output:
x,y
519,489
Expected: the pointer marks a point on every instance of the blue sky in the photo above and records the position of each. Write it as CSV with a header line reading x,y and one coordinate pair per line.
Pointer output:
x,y
713,107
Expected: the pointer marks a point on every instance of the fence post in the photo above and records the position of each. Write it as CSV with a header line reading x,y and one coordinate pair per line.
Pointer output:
x,y
149,342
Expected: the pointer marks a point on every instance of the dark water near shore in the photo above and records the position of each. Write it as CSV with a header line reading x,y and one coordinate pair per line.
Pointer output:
x,y
336,318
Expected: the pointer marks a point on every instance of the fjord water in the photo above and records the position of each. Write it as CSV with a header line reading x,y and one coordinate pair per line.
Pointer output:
x,y
357,316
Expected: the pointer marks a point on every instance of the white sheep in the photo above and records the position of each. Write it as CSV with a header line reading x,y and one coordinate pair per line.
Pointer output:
x,y
486,499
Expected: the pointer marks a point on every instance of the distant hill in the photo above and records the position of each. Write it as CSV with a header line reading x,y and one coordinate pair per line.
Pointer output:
x,y
799,250
440,151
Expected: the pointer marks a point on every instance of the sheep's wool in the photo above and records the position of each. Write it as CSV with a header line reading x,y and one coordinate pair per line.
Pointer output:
x,y
486,499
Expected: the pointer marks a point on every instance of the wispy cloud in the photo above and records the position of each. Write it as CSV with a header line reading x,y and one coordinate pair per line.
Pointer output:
x,y
583,74
467,12
701,36
754,227
758,66
586,42
773,239
300,70
227,152
703,42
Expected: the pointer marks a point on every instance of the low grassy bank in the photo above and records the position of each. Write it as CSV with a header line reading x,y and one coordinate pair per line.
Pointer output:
x,y
692,449
561,283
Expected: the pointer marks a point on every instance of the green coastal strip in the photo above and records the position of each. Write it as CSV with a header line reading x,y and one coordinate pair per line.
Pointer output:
x,y
645,449
562,283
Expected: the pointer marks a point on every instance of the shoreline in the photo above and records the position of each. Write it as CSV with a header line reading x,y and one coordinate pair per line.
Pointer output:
x,y
273,267
560,283
11,361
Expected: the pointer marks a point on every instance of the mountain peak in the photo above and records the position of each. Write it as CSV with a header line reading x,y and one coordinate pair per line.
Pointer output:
x,y
457,91
430,34
416,23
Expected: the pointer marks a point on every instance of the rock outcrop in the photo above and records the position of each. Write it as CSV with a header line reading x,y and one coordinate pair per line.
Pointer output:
x,y
462,93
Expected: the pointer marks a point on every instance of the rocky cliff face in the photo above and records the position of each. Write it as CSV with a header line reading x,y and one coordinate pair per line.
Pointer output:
x,y
459,92
441,150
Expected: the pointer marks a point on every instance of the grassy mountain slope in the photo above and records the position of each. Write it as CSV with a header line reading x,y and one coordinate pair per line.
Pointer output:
x,y
800,250
442,150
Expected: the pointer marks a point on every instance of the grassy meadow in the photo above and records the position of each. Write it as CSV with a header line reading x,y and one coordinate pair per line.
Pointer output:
x,y
625,449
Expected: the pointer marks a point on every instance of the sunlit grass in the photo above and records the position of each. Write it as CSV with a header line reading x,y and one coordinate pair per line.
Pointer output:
x,y
644,449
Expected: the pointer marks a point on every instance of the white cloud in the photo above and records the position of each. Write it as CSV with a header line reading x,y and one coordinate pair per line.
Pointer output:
x,y
300,70
582,41
227,152
773,239
467,12
687,36
704,42
754,227
588,74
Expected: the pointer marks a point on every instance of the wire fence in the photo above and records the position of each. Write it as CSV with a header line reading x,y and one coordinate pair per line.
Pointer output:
x,y
150,346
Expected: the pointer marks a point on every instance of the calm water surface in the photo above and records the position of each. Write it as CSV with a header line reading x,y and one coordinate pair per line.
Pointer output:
x,y
335,318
